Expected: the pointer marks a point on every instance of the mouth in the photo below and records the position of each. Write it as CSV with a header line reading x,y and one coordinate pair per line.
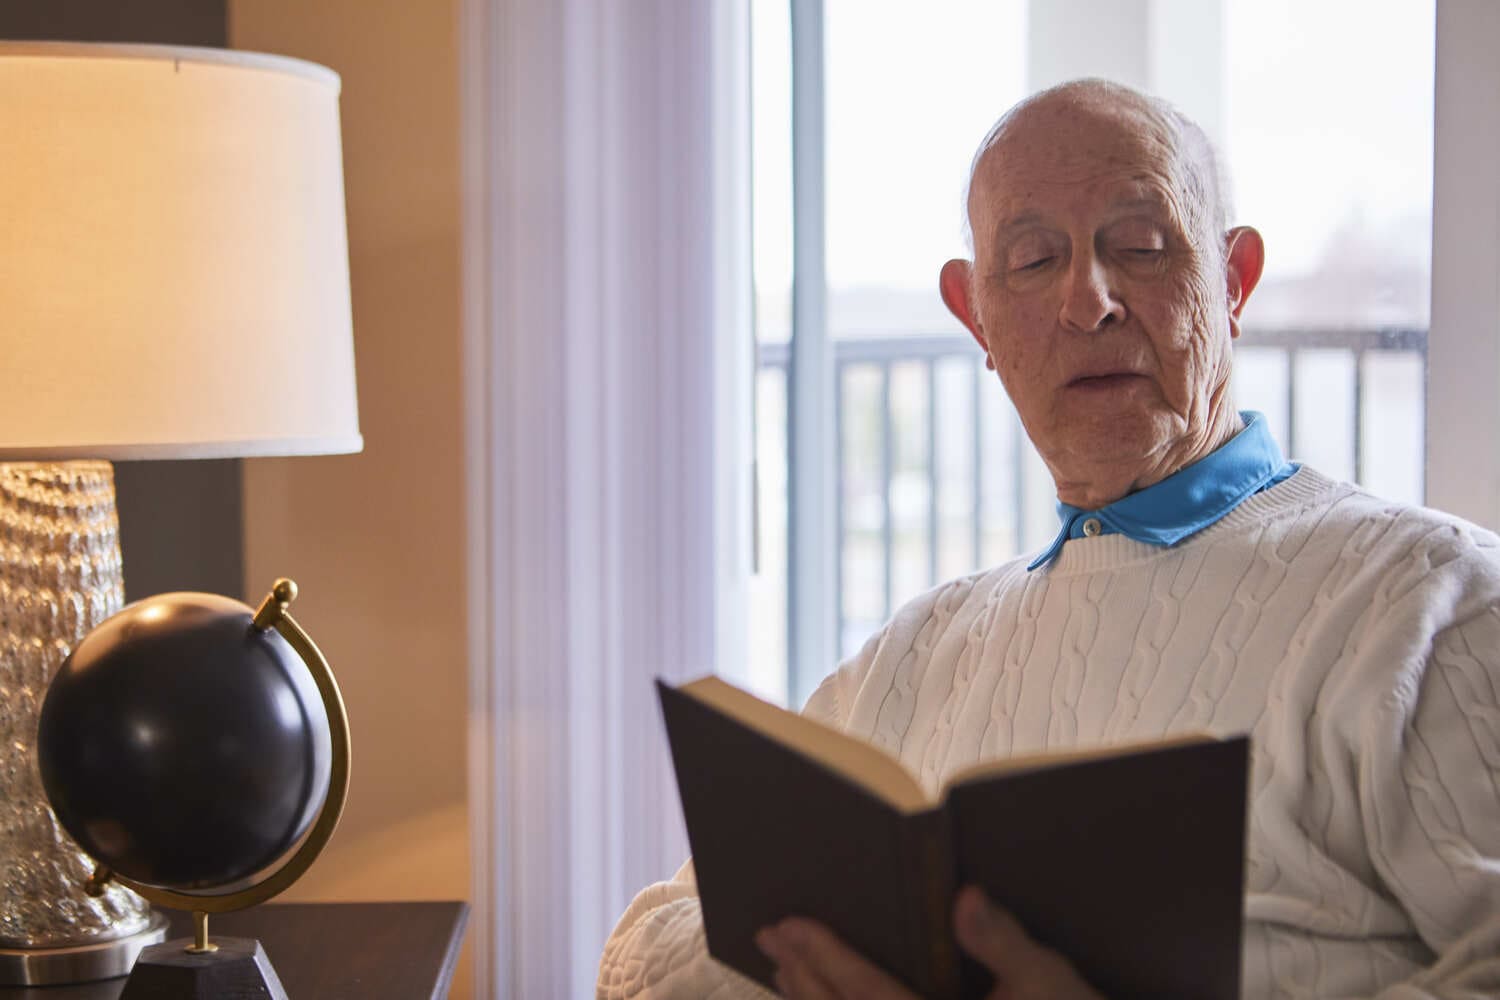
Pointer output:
x,y
1105,381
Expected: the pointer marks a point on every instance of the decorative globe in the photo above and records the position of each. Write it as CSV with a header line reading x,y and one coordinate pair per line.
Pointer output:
x,y
183,747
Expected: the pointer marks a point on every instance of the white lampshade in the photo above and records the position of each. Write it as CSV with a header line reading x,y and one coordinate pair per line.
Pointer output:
x,y
175,275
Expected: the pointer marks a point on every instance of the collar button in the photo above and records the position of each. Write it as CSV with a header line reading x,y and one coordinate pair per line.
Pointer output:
x,y
1092,527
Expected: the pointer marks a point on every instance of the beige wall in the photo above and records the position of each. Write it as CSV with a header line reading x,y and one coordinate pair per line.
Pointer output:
x,y
376,540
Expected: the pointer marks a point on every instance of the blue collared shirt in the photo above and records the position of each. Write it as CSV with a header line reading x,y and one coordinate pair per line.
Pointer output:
x,y
1187,501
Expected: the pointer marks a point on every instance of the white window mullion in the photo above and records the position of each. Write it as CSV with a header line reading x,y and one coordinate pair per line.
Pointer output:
x,y
812,613
1187,61
1068,39
734,335
1463,352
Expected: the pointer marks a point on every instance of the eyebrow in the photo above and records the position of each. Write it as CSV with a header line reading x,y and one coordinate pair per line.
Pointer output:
x,y
1017,222
1147,202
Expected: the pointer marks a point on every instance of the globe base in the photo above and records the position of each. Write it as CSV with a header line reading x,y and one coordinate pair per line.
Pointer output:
x,y
237,967
81,962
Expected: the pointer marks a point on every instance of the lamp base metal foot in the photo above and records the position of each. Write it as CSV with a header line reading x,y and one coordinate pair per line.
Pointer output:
x,y
79,963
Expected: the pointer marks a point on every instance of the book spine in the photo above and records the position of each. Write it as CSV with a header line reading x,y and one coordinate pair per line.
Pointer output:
x,y
937,874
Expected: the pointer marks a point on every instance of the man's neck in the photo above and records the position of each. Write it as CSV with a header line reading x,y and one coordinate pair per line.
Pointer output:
x,y
1091,489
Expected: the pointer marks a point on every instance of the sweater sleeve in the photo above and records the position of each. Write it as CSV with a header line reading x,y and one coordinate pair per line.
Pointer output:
x,y
657,950
1431,800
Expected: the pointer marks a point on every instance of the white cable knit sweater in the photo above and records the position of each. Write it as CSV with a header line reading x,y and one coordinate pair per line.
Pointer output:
x,y
1358,641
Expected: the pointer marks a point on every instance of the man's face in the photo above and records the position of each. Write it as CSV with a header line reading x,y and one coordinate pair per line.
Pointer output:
x,y
1099,293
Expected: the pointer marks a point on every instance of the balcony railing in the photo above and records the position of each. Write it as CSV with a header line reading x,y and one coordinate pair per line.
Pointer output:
x,y
935,476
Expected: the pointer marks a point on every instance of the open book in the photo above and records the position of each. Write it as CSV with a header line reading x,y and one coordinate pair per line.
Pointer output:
x,y
1128,860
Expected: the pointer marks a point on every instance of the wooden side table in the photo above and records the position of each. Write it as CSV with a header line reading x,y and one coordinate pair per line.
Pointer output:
x,y
326,951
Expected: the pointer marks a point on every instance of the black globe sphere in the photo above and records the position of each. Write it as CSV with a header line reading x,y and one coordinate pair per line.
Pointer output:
x,y
183,747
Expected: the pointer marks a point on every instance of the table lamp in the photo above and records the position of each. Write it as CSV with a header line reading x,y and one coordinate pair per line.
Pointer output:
x,y
175,284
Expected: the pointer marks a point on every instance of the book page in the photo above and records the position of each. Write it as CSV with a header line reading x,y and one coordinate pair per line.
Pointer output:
x,y
860,762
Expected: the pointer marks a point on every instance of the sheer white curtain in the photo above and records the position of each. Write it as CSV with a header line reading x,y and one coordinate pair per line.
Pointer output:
x,y
607,382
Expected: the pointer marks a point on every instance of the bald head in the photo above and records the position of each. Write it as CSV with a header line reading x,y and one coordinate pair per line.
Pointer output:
x,y
1203,188
1105,288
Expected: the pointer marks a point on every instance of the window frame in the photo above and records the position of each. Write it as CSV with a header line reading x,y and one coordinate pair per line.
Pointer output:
x,y
1461,471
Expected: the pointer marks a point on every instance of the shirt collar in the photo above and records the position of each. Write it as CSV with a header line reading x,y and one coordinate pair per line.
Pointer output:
x,y
1187,501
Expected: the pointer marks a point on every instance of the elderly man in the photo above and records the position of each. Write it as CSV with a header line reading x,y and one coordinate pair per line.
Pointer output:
x,y
1198,582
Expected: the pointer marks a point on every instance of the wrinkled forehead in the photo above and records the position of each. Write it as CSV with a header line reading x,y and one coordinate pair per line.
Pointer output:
x,y
1072,156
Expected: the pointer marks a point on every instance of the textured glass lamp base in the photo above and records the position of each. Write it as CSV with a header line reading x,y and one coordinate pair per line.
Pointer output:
x,y
78,963
60,576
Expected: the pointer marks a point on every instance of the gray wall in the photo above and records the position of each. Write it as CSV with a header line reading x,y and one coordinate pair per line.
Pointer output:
x,y
181,523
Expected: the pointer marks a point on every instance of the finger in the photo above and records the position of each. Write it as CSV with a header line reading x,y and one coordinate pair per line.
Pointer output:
x,y
792,976
797,981
990,934
852,975
1021,965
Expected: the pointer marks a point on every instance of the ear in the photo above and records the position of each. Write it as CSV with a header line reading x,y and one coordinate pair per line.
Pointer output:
x,y
955,282
1245,258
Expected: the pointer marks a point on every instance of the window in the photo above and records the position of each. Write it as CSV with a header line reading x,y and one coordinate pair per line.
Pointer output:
x,y
1323,115
1329,132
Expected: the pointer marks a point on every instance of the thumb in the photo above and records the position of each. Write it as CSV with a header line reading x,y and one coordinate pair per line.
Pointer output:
x,y
991,934
1022,967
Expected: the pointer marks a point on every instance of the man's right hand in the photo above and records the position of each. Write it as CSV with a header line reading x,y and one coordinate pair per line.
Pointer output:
x,y
812,963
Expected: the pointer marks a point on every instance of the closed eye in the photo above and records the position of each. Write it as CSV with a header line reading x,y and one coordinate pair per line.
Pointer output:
x,y
1035,265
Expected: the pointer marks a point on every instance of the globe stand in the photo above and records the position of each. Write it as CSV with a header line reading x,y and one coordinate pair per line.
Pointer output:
x,y
190,969
198,969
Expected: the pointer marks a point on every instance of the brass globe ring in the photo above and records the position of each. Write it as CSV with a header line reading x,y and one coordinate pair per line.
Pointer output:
x,y
273,614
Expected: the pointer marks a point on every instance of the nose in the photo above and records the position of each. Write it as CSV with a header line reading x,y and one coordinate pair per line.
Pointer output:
x,y
1089,302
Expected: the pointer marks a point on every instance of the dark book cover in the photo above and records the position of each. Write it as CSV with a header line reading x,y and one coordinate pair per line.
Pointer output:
x,y
1131,864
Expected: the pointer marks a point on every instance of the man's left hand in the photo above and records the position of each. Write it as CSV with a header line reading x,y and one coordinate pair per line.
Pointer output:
x,y
813,964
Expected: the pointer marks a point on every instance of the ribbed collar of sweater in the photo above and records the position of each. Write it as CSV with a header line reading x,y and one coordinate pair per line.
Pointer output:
x,y
1187,501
